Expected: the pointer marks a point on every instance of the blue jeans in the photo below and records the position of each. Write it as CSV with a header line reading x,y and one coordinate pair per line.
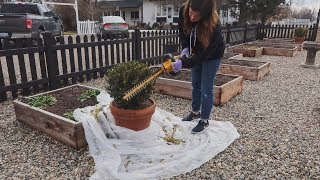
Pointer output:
x,y
202,79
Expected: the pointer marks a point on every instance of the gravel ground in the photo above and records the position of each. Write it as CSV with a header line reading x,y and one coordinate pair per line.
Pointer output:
x,y
278,119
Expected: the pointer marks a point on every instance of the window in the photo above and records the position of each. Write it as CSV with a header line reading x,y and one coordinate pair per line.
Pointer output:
x,y
117,13
176,11
20,8
163,10
224,13
134,15
43,9
158,10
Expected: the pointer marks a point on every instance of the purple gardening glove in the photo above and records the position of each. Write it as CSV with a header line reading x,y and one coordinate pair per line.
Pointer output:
x,y
185,51
177,65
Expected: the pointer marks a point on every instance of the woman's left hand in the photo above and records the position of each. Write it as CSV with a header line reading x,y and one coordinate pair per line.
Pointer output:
x,y
177,65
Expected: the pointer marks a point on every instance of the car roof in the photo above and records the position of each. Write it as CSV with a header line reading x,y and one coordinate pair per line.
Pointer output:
x,y
111,19
27,3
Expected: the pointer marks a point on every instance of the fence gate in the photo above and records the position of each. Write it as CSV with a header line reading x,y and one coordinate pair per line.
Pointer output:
x,y
87,27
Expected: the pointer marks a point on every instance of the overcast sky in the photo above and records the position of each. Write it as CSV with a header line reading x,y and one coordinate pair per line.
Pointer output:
x,y
312,4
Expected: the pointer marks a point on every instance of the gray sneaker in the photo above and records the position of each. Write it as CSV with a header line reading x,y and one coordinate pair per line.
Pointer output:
x,y
201,126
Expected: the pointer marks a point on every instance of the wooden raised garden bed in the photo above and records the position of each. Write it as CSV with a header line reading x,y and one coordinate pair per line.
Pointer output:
x,y
53,120
250,70
248,50
279,40
225,86
280,50
286,45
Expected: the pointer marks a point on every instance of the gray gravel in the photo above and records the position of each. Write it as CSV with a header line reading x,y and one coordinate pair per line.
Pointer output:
x,y
278,119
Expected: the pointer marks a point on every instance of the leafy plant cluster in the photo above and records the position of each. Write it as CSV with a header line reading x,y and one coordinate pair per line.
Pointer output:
x,y
42,101
88,94
123,77
69,115
300,32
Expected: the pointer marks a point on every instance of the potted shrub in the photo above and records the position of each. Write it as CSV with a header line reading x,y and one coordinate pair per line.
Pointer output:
x,y
299,34
135,113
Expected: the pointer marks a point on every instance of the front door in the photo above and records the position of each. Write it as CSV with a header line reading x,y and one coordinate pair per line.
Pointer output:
x,y
170,14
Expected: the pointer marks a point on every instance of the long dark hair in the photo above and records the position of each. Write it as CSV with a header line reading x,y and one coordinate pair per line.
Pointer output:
x,y
208,22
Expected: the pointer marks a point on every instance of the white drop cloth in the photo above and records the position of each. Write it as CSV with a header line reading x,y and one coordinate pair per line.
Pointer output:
x,y
121,153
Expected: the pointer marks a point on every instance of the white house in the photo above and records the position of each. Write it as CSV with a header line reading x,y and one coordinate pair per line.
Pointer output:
x,y
151,11
226,18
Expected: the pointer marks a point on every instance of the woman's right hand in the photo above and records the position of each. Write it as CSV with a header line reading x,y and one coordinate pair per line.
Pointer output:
x,y
185,51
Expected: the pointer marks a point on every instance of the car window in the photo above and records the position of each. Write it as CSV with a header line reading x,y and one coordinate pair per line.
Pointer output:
x,y
20,8
113,19
49,14
43,9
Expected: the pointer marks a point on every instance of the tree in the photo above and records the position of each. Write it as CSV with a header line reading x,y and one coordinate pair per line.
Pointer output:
x,y
263,9
304,13
247,10
239,9
88,10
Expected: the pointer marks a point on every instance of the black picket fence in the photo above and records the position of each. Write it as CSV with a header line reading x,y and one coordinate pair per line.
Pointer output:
x,y
286,31
31,67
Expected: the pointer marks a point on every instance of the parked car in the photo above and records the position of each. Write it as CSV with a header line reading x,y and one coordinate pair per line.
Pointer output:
x,y
28,20
113,25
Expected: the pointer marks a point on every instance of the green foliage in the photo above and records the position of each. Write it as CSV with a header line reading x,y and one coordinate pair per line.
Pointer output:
x,y
69,115
123,77
155,25
248,10
300,32
42,101
88,94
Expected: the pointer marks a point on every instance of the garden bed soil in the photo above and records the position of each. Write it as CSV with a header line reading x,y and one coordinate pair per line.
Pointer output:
x,y
186,76
248,50
50,120
231,55
250,70
225,86
67,100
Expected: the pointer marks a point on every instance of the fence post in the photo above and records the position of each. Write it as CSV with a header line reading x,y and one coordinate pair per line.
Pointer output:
x,y
258,32
245,33
51,59
316,28
137,44
228,34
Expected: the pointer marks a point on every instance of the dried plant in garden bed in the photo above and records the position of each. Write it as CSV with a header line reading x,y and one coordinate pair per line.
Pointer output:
x,y
225,86
56,119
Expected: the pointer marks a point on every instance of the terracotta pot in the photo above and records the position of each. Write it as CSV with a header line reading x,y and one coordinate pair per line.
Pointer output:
x,y
299,39
133,119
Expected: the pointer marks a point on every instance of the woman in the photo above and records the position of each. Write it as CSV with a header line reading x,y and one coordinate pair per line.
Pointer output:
x,y
203,47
